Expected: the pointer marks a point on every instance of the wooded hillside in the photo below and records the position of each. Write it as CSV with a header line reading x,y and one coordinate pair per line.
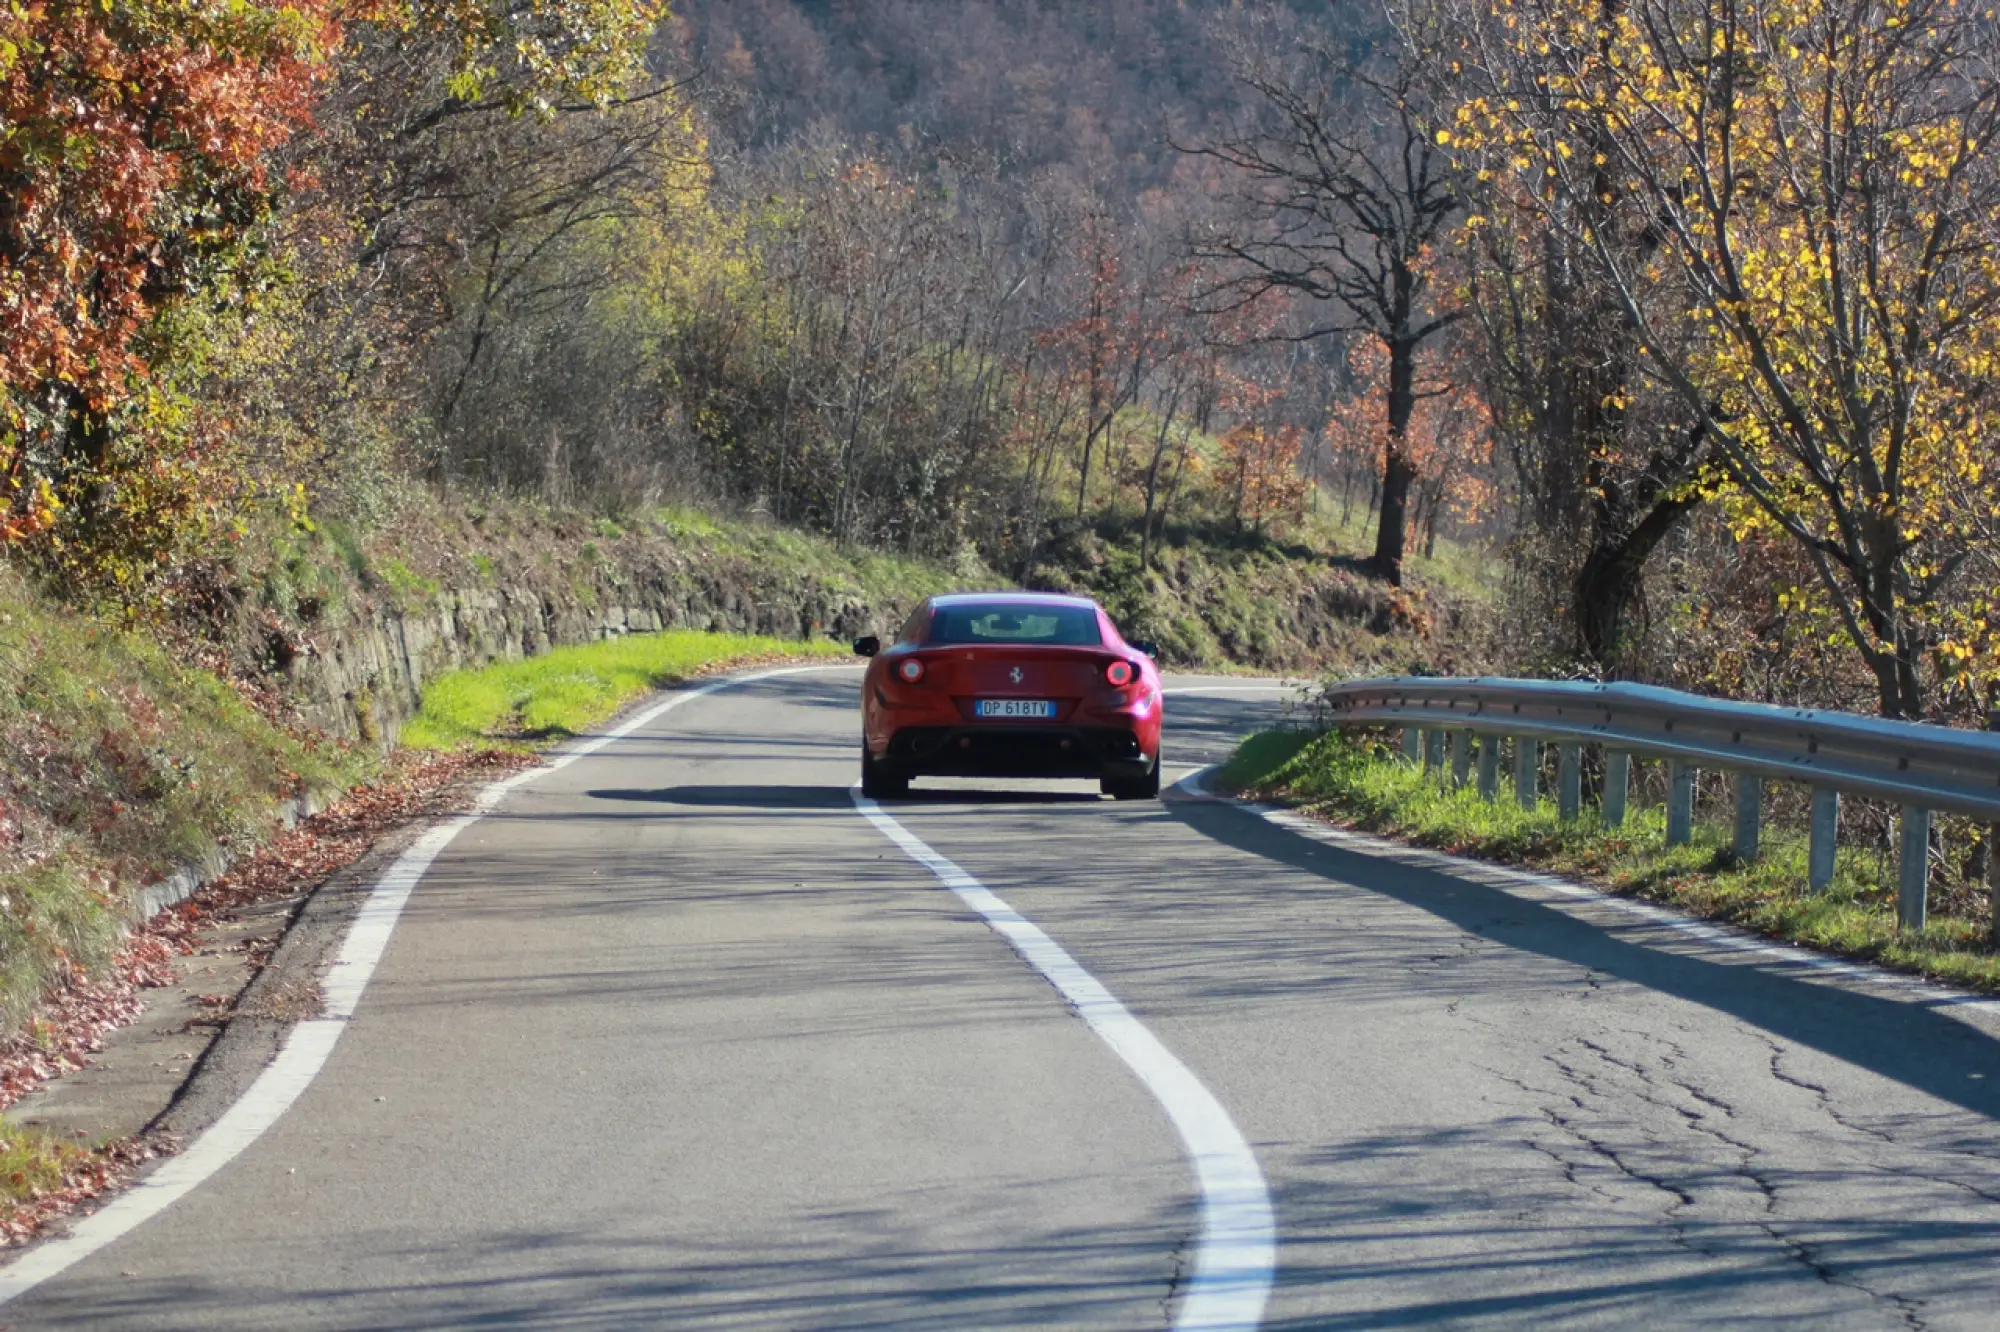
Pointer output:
x,y
982,281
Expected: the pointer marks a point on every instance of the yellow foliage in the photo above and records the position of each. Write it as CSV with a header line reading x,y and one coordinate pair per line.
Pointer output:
x,y
1791,198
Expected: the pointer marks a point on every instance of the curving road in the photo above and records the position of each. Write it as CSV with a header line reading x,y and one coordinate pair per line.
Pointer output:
x,y
677,1038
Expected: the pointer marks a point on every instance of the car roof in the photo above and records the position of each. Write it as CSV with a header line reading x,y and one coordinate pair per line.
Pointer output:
x,y
1014,598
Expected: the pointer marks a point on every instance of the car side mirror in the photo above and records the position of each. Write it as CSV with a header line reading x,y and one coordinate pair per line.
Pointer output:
x,y
867,647
1150,649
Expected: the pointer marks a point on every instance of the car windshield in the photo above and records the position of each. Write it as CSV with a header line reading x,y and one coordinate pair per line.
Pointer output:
x,y
975,622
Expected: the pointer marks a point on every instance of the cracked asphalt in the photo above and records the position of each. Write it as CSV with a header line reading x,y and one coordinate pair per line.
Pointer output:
x,y
676,1039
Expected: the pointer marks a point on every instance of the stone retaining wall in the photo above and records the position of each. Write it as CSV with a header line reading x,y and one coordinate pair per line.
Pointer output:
x,y
366,678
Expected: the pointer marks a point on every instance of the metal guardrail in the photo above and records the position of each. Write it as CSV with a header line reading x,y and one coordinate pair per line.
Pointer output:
x,y
1925,769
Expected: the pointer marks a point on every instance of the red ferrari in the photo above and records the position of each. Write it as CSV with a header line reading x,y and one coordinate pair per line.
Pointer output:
x,y
1010,684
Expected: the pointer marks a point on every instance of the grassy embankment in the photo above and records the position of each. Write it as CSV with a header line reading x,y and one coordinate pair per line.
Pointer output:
x,y
311,579
1216,598
562,692
1359,784
1452,565
122,766
125,764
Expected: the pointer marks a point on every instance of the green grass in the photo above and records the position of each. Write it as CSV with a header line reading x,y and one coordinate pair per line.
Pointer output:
x,y
1361,784
1465,569
1259,757
123,766
868,574
32,1163
564,691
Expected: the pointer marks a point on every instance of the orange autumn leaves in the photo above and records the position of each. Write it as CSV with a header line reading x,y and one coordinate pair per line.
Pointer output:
x,y
1262,464
135,141
142,166
1449,439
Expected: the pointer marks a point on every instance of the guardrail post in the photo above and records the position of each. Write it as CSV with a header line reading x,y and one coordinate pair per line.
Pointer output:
x,y
1680,803
1413,743
1527,770
1461,758
1914,869
1617,786
1489,766
1993,878
1433,750
1825,828
1569,782
1749,815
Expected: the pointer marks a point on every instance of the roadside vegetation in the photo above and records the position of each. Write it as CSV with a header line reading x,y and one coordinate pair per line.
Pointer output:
x,y
1434,337
124,764
563,692
129,765
1356,781
33,1166
308,581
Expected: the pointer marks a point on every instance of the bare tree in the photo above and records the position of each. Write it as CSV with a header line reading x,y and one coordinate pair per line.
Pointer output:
x,y
1346,201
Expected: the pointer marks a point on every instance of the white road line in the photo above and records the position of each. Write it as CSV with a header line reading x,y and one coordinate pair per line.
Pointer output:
x,y
1503,877
1235,1252
306,1049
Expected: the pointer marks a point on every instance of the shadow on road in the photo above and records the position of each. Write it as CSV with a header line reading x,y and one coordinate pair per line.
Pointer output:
x,y
1912,1042
831,797
735,797
846,1270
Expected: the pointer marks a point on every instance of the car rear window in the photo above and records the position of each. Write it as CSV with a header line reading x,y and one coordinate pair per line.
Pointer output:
x,y
976,622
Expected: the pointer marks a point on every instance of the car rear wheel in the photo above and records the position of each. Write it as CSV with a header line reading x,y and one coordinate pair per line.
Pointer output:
x,y
879,785
1134,788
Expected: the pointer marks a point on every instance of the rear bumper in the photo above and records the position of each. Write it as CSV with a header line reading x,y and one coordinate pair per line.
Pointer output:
x,y
987,750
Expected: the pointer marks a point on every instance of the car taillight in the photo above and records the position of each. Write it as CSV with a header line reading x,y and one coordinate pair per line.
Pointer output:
x,y
911,669
1119,673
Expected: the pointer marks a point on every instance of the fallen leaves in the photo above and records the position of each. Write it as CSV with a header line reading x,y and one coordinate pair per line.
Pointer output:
x,y
72,1021
85,1175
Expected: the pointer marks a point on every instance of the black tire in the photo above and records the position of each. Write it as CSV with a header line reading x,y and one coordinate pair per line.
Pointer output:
x,y
1134,788
879,785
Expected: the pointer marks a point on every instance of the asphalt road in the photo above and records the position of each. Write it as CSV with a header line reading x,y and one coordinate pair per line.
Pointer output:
x,y
677,1039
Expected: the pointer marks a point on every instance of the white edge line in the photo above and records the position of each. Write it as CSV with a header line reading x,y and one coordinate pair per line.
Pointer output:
x,y
309,1043
1709,932
1236,1250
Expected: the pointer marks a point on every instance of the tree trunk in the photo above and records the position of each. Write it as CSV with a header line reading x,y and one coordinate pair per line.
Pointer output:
x,y
1987,865
1397,472
1898,678
1153,479
1609,580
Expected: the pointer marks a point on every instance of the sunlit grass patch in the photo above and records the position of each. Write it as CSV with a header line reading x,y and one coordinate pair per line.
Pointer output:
x,y
867,573
1362,784
565,691
32,1164
1260,756
1467,568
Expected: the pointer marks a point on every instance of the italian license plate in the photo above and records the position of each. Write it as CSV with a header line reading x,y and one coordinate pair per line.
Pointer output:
x,y
1014,707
